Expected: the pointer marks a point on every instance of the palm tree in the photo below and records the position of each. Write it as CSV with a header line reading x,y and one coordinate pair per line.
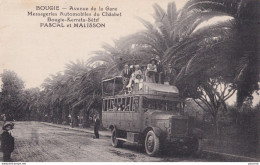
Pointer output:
x,y
79,88
84,92
173,44
91,91
63,91
113,58
29,104
197,53
73,74
197,57
55,92
230,47
158,36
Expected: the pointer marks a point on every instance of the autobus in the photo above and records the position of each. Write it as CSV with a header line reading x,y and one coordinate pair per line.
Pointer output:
x,y
149,115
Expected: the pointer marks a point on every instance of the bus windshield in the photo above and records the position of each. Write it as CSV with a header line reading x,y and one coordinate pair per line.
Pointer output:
x,y
165,105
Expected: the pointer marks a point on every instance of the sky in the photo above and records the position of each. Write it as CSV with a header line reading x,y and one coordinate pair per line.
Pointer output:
x,y
34,53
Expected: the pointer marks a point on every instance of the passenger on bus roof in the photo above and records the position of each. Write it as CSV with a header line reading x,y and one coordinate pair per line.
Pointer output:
x,y
151,70
170,75
136,77
126,76
138,74
143,69
131,70
130,81
126,72
159,76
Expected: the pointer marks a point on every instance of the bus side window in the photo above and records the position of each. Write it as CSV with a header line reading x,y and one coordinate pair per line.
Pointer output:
x,y
105,105
131,103
135,104
123,104
109,102
127,108
112,105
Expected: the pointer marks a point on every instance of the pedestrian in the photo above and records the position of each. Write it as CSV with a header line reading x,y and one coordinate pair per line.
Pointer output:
x,y
7,142
4,118
96,126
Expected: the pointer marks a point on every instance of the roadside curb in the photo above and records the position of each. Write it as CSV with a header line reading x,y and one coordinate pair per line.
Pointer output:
x,y
76,129
227,157
205,153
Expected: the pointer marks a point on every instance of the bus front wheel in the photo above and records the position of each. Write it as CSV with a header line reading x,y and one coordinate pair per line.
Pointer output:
x,y
152,143
115,142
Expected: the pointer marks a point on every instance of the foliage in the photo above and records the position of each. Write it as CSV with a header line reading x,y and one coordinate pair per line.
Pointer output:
x,y
229,49
158,36
12,88
212,96
29,104
113,58
246,120
66,94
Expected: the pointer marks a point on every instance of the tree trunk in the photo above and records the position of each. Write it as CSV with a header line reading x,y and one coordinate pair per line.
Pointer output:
x,y
50,116
74,118
216,125
65,114
86,123
59,114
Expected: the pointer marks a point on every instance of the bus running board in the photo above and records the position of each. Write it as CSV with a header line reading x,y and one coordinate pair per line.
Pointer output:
x,y
125,140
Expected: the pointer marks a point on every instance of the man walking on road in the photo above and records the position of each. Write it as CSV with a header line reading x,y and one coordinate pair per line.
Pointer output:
x,y
96,126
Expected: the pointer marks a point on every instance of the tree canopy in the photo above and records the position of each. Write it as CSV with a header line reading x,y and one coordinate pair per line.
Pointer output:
x,y
222,54
12,88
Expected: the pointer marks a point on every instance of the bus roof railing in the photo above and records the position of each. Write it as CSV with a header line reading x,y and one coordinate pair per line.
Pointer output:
x,y
113,79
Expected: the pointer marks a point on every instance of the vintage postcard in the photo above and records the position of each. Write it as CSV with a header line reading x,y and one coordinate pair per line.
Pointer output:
x,y
129,81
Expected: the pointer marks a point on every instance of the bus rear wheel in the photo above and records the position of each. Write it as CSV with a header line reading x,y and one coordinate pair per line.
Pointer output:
x,y
115,142
152,144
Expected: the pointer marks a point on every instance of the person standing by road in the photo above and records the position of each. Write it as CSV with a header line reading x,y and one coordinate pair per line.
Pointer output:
x,y
96,126
7,142
4,118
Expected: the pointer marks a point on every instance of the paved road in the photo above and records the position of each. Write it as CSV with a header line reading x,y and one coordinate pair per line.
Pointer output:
x,y
37,142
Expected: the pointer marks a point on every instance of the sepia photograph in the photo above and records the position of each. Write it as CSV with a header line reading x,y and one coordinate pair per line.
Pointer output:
x,y
129,81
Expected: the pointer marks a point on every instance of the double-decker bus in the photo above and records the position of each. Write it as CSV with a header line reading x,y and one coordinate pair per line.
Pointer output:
x,y
149,115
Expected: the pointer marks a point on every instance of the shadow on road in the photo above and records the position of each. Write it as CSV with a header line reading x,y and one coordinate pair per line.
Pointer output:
x,y
166,154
